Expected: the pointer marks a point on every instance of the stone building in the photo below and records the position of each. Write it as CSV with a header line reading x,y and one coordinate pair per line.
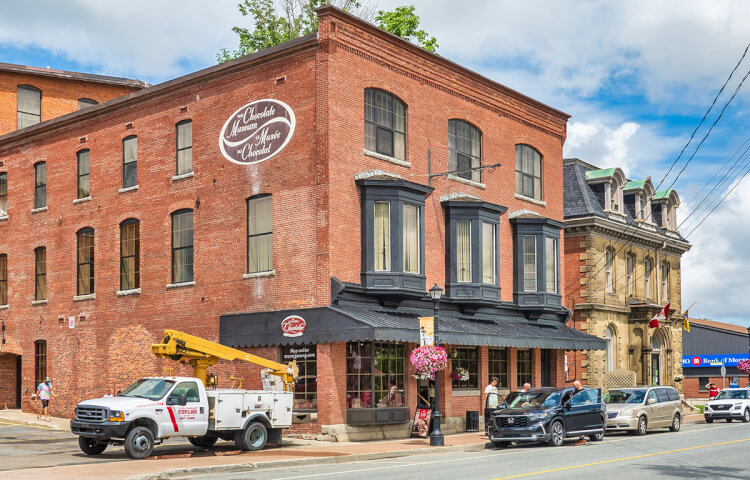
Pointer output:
x,y
622,259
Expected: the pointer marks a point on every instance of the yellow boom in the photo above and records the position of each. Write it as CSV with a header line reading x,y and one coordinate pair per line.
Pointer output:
x,y
201,354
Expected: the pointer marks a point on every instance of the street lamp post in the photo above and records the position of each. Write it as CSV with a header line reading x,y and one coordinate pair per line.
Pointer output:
x,y
436,436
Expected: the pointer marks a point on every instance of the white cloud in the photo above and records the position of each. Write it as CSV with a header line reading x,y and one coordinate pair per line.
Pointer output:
x,y
601,145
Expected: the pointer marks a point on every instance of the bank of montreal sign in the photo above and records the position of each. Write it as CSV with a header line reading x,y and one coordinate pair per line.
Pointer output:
x,y
712,360
257,131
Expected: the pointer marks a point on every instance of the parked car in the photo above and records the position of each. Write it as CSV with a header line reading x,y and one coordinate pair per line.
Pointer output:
x,y
640,409
495,401
729,404
549,415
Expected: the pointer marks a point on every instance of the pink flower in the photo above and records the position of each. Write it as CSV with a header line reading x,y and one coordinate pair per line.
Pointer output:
x,y
427,360
744,366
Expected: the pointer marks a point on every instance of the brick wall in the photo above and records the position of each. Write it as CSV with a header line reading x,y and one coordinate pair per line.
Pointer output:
x,y
7,380
691,387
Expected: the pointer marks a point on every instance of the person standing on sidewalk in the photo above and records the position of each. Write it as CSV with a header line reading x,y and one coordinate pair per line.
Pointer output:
x,y
491,389
43,393
579,388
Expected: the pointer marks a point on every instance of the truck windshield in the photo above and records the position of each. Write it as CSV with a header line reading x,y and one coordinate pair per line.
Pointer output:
x,y
624,396
536,399
150,388
731,395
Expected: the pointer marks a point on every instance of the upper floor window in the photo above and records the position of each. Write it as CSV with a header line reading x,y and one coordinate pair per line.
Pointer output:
x,y
665,281
130,162
86,102
184,147
536,261
647,267
3,279
630,259
83,174
385,124
646,207
489,252
182,246
528,172
382,240
609,268
3,193
40,273
465,150
259,234
40,185
130,254
615,196
551,264
529,263
411,238
29,106
85,261
463,250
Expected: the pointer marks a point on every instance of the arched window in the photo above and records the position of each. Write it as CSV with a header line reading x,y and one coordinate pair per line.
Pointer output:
x,y
130,254
610,348
528,172
656,358
3,279
83,174
86,102
40,362
85,261
40,185
647,269
610,258
665,282
29,106
464,150
40,273
182,246
630,259
259,234
385,124
184,147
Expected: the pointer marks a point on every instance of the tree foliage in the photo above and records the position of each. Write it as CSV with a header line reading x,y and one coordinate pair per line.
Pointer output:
x,y
275,22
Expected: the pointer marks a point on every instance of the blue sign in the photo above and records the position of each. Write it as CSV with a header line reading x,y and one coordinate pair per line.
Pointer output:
x,y
713,360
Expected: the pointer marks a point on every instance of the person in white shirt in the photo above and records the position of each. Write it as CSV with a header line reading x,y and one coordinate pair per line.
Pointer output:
x,y
492,388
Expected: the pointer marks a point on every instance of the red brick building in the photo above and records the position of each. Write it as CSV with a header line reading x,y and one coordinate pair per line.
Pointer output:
x,y
298,202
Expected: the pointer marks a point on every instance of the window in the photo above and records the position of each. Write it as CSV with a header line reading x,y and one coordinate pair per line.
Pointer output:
x,y
130,162
615,196
3,279
40,273
702,382
664,281
524,367
85,261
86,102
464,150
29,106
647,277
3,193
83,174
130,256
189,389
498,366
489,252
259,234
467,358
374,375
411,239
528,172
551,264
610,259
306,384
647,209
40,362
182,246
609,349
184,147
385,124
463,251
382,236
585,397
630,262
529,263
40,185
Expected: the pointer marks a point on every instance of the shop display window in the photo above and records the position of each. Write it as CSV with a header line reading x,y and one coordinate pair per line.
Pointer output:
x,y
498,366
374,375
306,385
467,358
524,366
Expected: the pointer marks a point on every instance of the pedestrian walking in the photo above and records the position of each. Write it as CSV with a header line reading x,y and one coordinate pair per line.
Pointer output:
x,y
43,393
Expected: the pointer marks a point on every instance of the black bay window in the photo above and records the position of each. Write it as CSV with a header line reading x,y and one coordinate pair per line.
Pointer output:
x,y
536,265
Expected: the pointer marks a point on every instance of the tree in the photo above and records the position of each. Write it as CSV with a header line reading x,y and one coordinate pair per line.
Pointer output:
x,y
295,18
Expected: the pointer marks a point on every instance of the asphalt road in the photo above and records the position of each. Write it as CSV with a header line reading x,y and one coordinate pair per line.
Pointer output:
x,y
698,451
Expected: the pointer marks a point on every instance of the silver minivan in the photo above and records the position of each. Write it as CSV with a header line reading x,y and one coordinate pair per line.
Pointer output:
x,y
640,409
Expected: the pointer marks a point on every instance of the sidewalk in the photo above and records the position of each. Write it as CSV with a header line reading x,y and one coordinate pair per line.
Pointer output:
x,y
225,459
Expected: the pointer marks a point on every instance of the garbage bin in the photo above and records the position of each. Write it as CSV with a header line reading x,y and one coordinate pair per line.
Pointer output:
x,y
472,421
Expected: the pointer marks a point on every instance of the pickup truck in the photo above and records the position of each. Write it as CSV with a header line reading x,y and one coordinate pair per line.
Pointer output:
x,y
155,408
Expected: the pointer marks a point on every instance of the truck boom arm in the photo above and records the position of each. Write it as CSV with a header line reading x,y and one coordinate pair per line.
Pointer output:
x,y
201,354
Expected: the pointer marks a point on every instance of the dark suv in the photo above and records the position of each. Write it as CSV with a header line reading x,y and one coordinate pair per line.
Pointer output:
x,y
550,415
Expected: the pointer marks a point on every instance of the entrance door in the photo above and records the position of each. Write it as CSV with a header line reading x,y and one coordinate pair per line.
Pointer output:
x,y
18,381
655,371
546,368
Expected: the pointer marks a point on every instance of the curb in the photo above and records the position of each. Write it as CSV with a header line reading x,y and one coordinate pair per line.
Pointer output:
x,y
49,426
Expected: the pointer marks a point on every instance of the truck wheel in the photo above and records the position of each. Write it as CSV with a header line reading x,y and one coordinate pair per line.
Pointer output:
x,y
709,420
139,443
253,437
89,446
556,434
206,441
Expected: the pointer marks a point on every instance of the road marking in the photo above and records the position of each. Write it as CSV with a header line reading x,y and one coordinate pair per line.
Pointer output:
x,y
571,467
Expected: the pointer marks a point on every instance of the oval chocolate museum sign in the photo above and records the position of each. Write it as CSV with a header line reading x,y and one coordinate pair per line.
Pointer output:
x,y
257,131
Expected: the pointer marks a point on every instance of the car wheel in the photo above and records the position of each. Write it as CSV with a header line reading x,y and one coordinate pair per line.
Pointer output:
x,y
556,434
746,416
597,437
729,420
642,426
139,443
675,423
709,420
206,441
500,444
253,437
90,446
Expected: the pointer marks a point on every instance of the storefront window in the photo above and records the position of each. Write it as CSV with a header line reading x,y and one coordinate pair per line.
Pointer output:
x,y
374,375
306,385
498,366
523,362
467,358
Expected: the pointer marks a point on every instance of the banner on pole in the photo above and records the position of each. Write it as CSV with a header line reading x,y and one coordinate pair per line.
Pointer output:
x,y
426,331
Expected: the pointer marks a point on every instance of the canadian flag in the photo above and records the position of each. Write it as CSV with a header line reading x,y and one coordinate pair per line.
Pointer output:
x,y
662,315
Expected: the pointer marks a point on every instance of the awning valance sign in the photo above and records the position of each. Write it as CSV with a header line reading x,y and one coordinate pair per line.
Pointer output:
x,y
730,360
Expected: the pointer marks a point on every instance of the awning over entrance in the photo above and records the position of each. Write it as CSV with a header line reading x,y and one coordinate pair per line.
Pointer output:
x,y
344,323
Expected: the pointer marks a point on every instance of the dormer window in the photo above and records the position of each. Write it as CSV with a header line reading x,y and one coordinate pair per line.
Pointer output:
x,y
607,185
665,206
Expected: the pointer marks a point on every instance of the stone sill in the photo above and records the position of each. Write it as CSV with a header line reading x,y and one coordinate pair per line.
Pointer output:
x,y
83,298
380,156
467,393
128,189
180,285
82,200
183,176
38,302
4,307
132,291
270,273
466,181
3,218
38,210
530,200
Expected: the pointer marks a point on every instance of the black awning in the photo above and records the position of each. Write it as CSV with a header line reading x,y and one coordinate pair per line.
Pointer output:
x,y
344,323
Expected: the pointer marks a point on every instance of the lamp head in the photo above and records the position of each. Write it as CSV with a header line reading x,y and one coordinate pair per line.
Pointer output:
x,y
436,292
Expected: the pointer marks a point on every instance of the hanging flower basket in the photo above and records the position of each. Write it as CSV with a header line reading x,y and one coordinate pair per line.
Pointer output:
x,y
744,366
460,373
427,360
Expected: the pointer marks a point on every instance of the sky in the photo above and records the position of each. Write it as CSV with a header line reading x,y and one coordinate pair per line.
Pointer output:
x,y
636,77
